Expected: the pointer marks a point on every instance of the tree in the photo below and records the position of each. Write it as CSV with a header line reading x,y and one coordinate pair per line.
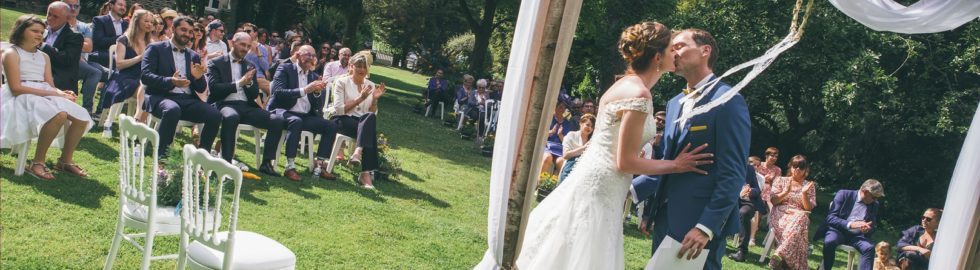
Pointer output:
x,y
482,30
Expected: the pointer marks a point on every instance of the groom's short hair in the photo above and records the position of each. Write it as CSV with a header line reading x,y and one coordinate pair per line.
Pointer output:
x,y
702,38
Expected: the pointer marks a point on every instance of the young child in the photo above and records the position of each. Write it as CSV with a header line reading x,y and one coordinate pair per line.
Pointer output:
x,y
883,257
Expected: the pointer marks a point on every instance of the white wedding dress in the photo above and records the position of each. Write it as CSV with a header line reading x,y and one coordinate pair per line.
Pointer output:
x,y
580,224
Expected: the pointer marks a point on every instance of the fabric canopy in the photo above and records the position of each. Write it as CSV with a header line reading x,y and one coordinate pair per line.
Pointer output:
x,y
925,16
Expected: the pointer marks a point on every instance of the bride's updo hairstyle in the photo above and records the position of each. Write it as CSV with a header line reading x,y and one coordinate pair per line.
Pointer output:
x,y
639,43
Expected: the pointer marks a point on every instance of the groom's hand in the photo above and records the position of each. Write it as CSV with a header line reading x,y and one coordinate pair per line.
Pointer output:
x,y
693,243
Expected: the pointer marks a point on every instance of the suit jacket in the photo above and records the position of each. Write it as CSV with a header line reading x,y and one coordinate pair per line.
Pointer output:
x,y
910,237
104,35
157,69
755,197
710,200
222,84
840,210
286,90
65,54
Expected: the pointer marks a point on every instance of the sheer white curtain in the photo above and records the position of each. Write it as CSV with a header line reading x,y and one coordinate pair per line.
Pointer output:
x,y
925,16
960,220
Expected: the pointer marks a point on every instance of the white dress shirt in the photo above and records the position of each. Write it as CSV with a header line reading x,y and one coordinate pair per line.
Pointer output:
x,y
180,64
302,103
117,24
236,74
216,46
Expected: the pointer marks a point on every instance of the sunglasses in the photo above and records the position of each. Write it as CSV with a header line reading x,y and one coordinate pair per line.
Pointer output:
x,y
927,219
74,7
248,31
772,154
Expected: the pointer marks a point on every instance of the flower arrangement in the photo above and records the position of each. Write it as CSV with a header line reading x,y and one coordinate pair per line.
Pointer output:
x,y
546,183
389,164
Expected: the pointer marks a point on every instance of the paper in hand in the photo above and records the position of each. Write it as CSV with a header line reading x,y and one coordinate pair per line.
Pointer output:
x,y
666,257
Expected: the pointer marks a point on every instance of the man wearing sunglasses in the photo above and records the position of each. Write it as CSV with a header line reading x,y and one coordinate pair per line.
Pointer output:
x,y
852,218
215,45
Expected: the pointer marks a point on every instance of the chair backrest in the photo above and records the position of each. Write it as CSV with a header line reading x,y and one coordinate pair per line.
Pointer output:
x,y
136,184
112,57
200,220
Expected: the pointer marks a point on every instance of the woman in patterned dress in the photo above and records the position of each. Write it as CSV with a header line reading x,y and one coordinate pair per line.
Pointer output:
x,y
792,197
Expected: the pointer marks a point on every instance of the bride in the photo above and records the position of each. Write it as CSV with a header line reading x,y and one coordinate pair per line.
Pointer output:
x,y
579,225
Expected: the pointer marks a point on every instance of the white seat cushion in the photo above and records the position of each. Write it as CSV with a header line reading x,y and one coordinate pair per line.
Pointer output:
x,y
251,251
163,215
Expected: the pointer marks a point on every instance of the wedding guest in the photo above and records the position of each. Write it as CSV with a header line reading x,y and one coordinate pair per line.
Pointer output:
x,y
63,47
216,45
915,247
770,171
130,46
323,56
31,107
132,11
89,72
556,134
297,97
792,197
233,89
335,69
355,108
259,55
463,94
574,144
174,76
438,89
851,221
106,29
883,257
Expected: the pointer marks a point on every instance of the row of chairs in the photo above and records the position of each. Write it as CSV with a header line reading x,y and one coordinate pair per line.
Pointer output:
x,y
490,114
204,242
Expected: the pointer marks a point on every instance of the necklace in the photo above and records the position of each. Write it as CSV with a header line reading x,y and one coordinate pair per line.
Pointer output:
x,y
33,54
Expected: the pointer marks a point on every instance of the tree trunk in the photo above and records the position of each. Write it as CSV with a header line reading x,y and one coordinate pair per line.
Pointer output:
x,y
482,32
355,12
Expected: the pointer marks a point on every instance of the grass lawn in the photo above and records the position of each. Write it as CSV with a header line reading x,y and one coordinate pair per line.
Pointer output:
x,y
7,19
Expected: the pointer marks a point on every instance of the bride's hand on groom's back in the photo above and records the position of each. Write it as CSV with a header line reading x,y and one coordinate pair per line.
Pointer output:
x,y
689,160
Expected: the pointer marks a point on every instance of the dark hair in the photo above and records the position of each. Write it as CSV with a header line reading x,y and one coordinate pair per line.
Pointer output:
x,y
702,38
772,149
249,25
132,9
639,43
799,162
591,118
21,25
182,19
937,211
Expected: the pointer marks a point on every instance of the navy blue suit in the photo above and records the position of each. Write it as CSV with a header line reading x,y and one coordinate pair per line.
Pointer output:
x,y
687,199
834,230
285,91
222,84
104,35
157,69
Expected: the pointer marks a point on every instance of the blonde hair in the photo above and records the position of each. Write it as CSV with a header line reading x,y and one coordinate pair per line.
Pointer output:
x,y
361,58
134,23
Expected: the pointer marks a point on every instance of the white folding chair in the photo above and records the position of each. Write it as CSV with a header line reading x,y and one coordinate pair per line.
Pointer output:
x,y
770,239
203,245
442,110
114,110
155,122
852,255
338,144
257,134
21,151
304,147
138,193
490,116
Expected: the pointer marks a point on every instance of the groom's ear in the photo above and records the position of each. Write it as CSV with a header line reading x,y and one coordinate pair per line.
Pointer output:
x,y
706,51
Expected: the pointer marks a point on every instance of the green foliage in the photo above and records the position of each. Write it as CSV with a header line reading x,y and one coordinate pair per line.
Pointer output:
x,y
389,163
458,50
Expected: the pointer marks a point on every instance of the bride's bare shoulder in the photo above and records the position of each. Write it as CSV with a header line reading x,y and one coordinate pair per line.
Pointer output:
x,y
626,89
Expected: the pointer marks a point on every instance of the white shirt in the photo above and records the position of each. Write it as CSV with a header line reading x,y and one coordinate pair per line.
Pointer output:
x,y
343,91
216,46
687,105
53,35
572,141
180,64
236,74
302,103
117,24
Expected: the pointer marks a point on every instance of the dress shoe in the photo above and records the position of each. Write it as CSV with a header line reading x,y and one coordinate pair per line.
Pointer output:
x,y
327,175
268,169
292,175
738,256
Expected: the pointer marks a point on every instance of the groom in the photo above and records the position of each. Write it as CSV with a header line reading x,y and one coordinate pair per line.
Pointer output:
x,y
698,210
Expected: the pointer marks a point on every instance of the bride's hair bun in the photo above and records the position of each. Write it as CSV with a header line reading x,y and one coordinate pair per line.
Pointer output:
x,y
639,43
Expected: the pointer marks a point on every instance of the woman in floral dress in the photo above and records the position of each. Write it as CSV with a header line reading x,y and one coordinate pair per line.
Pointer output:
x,y
792,197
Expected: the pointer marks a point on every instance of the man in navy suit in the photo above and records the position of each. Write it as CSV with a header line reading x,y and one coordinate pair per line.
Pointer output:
x,y
63,46
234,88
170,72
695,209
106,29
749,202
852,219
298,97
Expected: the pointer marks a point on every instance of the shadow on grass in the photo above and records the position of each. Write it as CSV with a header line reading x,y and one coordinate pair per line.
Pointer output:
x,y
66,188
99,149
399,190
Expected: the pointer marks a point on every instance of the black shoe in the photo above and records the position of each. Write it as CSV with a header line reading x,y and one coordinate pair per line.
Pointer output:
x,y
268,169
738,256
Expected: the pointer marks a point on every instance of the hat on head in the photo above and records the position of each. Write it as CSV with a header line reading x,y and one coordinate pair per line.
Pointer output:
x,y
215,24
169,13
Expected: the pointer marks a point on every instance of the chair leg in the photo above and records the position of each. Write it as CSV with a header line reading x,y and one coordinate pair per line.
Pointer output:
x,y
21,151
182,250
257,134
148,245
765,251
309,150
850,260
333,154
114,249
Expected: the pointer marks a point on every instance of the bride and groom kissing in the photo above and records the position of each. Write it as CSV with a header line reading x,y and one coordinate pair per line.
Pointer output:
x,y
692,193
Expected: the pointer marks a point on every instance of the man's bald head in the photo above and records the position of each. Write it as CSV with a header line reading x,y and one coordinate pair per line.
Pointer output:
x,y
241,44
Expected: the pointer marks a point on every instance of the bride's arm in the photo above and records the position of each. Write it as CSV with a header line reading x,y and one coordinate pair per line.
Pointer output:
x,y
628,158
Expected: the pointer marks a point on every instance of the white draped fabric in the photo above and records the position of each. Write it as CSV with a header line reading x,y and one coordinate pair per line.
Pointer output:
x,y
925,16
957,232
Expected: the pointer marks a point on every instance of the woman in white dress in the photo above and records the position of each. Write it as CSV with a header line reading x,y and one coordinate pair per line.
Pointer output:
x,y
31,107
580,225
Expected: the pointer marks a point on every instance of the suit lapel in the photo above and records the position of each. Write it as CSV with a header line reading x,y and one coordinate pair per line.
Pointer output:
x,y
708,97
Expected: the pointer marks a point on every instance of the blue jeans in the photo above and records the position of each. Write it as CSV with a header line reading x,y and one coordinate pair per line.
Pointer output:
x,y
91,73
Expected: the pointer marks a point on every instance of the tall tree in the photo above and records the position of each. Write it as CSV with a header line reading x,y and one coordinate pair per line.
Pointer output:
x,y
482,30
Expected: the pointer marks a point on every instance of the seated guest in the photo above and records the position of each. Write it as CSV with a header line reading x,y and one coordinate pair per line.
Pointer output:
x,y
260,56
130,46
755,162
573,145
297,97
216,45
770,171
438,89
355,108
883,257
463,94
557,130
89,72
852,219
31,107
106,29
478,106
792,197
750,202
915,247
233,86
173,75
63,46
